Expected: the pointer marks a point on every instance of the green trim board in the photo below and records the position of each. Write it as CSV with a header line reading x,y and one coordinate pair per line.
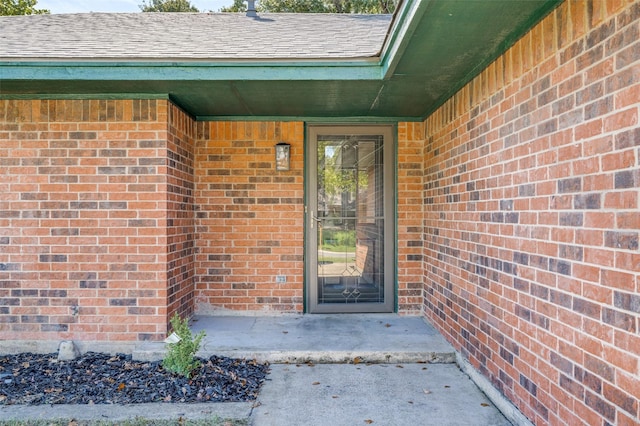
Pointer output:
x,y
197,71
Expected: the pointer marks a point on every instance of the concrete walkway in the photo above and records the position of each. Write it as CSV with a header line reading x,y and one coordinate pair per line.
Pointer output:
x,y
326,370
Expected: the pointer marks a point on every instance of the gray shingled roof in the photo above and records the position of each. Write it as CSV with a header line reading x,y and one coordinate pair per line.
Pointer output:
x,y
186,36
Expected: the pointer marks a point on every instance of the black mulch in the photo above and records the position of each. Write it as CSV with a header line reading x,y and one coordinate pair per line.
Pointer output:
x,y
97,378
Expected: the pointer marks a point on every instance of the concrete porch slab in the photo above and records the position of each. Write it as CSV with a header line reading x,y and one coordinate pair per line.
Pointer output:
x,y
321,339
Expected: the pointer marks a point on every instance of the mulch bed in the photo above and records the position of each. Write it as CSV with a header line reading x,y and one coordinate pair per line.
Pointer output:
x,y
97,378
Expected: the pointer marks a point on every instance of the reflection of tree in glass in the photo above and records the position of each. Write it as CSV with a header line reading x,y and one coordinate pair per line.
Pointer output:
x,y
334,178
339,241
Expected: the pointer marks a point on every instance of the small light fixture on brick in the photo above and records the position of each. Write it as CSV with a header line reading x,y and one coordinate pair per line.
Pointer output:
x,y
282,156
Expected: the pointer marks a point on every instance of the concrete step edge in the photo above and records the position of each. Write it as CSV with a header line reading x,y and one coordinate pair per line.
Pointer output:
x,y
317,357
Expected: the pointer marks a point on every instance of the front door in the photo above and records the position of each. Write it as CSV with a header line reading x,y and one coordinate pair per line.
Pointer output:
x,y
350,241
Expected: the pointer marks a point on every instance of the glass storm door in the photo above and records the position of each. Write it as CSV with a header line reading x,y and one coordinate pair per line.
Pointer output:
x,y
350,241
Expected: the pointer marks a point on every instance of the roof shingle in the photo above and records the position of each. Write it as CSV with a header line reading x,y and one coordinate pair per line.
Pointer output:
x,y
192,36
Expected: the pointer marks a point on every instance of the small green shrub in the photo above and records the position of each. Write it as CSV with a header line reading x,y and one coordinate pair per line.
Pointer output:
x,y
180,357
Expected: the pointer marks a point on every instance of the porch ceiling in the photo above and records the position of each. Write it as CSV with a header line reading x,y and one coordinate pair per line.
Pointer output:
x,y
434,47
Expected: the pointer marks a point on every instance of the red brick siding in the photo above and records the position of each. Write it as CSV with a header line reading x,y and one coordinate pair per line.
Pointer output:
x,y
180,213
113,211
81,220
410,215
249,218
532,176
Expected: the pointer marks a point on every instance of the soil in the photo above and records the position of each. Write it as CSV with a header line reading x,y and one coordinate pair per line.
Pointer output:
x,y
97,378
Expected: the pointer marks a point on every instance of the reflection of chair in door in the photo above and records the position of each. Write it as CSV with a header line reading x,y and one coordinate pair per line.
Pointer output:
x,y
361,256
351,280
361,284
364,259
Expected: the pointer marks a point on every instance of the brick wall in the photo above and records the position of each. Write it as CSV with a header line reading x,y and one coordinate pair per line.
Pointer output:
x,y
531,185
180,213
410,215
249,218
117,214
82,220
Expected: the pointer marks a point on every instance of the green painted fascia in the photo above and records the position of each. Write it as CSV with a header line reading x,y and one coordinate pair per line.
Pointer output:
x,y
508,42
404,25
180,71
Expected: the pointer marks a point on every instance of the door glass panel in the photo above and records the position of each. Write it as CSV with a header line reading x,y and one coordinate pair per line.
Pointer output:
x,y
350,220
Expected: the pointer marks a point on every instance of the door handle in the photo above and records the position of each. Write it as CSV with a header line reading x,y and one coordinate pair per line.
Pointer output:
x,y
315,219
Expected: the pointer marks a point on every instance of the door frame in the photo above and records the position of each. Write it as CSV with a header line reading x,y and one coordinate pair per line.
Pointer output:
x,y
389,132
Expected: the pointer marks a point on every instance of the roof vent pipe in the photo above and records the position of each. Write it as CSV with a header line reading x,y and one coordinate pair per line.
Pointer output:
x,y
251,8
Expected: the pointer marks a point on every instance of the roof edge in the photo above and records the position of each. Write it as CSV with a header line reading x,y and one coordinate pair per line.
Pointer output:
x,y
403,26
166,61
